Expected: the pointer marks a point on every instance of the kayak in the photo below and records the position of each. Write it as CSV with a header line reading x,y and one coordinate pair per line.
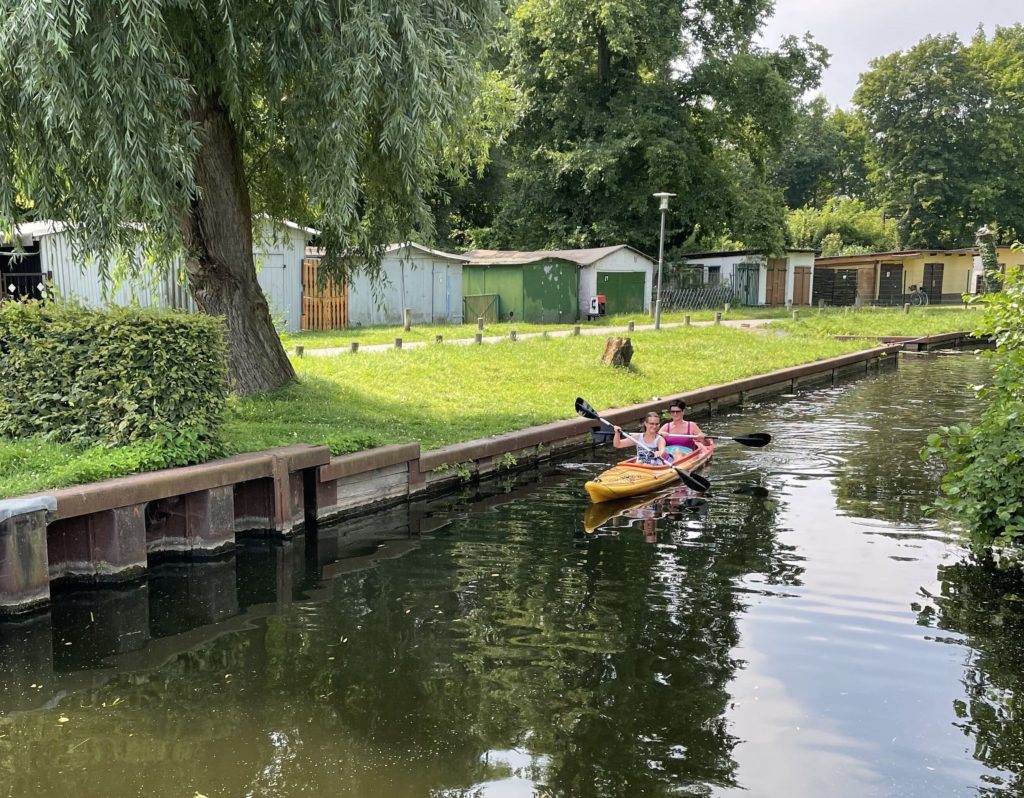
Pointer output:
x,y
630,478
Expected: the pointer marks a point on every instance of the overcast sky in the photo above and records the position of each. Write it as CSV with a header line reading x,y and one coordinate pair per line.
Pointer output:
x,y
855,31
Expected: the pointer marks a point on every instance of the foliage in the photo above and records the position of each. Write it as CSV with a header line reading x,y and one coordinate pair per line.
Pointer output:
x,y
984,482
946,135
823,158
158,127
120,377
626,99
841,227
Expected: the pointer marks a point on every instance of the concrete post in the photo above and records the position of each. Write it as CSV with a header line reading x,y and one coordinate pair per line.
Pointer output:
x,y
686,320
398,343
480,323
718,317
629,326
24,566
478,338
513,335
906,307
353,347
796,315
576,330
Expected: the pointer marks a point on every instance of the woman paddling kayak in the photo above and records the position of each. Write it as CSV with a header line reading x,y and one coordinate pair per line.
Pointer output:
x,y
680,435
653,450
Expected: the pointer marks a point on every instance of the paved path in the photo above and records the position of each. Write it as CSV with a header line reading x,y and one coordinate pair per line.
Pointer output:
x,y
491,339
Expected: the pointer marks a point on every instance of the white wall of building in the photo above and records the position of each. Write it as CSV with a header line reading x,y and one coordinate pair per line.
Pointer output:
x,y
278,250
622,260
428,282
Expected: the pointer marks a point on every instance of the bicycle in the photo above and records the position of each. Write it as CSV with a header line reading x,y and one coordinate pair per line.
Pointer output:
x,y
917,296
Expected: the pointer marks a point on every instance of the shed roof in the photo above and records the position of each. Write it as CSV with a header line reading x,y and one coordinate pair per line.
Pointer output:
x,y
871,257
727,252
511,257
421,248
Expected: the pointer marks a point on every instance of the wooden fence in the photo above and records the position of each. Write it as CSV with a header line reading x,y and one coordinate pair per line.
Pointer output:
x,y
323,308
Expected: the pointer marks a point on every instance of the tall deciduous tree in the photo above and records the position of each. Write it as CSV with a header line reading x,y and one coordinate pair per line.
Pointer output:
x,y
627,98
946,129
185,118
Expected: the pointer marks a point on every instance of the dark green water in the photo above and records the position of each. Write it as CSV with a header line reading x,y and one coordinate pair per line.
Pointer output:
x,y
828,640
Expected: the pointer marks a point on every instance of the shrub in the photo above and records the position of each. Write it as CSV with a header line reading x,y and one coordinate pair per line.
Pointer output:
x,y
113,377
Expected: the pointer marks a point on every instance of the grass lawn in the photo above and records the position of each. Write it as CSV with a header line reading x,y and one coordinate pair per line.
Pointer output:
x,y
881,321
329,339
444,394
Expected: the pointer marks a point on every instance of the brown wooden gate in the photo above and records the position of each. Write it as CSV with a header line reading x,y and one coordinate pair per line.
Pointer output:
x,y
802,285
933,282
775,290
322,308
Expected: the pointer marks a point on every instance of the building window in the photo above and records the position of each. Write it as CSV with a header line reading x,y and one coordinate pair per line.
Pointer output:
x,y
714,275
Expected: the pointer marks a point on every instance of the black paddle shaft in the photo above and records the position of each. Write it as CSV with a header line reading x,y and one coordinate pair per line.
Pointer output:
x,y
693,481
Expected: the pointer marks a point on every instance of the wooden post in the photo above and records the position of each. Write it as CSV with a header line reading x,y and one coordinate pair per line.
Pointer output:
x,y
398,343
353,347
480,323
299,350
408,319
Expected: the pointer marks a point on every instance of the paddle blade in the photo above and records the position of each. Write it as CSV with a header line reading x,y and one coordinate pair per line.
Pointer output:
x,y
585,410
755,439
693,481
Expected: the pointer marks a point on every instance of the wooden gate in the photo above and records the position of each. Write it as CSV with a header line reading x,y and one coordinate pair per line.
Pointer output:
x,y
775,290
933,282
802,285
322,308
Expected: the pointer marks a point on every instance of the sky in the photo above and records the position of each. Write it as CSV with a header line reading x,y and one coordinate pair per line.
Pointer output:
x,y
855,31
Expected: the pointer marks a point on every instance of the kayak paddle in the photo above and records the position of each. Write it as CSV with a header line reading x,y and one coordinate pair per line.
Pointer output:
x,y
694,481
755,439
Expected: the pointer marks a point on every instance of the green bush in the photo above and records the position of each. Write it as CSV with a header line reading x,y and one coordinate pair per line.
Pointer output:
x,y
114,377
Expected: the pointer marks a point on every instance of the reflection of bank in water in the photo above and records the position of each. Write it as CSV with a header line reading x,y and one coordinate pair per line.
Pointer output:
x,y
645,509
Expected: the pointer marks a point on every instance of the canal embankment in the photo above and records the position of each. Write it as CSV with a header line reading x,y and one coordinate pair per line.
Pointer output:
x,y
110,532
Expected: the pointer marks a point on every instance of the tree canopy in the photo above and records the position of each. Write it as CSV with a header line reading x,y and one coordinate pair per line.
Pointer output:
x,y
170,123
946,136
626,99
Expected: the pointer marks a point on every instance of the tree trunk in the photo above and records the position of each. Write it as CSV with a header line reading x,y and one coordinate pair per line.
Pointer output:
x,y
219,262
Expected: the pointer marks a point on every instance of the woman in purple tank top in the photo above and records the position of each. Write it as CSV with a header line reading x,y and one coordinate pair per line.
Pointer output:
x,y
680,435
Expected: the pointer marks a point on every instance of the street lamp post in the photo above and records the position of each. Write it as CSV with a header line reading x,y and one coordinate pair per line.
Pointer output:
x,y
663,197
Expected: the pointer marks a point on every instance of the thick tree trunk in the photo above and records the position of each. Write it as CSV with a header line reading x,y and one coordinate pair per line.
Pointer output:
x,y
219,262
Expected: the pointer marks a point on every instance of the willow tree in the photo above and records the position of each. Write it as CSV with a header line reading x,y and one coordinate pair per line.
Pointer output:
x,y
167,124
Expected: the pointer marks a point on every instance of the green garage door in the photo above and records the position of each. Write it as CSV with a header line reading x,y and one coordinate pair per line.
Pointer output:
x,y
623,291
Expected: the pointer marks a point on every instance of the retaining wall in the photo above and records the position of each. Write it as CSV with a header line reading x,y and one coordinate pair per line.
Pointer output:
x,y
111,531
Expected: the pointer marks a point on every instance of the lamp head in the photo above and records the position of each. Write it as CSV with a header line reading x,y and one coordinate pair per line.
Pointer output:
x,y
663,196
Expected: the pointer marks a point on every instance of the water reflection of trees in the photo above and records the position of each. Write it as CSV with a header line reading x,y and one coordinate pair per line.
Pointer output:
x,y
608,662
880,474
986,605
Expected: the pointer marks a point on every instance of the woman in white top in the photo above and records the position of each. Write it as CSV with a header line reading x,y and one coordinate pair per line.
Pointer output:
x,y
653,452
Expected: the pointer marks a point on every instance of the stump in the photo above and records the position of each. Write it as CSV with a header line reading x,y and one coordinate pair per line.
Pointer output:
x,y
617,352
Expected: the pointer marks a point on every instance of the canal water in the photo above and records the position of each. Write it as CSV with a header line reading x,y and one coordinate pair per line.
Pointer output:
x,y
810,630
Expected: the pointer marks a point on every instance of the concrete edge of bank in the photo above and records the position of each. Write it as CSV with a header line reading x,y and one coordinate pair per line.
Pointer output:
x,y
109,532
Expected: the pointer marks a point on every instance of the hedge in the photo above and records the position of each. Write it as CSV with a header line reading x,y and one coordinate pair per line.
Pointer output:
x,y
117,376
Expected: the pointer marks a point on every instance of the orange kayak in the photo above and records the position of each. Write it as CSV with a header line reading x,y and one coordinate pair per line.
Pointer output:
x,y
630,478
